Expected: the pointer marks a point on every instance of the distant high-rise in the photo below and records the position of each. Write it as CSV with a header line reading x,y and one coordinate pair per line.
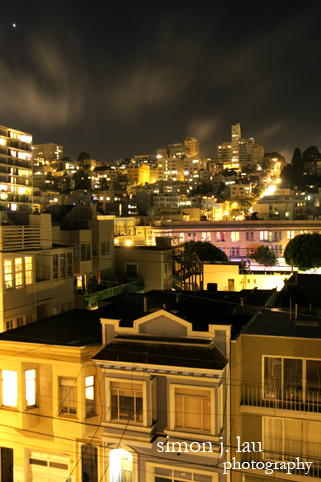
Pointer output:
x,y
49,152
239,152
192,147
16,169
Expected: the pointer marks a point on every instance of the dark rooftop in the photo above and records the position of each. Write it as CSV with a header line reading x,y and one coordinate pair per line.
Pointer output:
x,y
72,328
167,352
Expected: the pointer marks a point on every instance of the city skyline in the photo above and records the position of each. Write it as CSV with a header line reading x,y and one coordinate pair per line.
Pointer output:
x,y
118,80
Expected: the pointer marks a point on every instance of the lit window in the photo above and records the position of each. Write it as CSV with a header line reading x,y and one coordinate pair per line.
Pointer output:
x,y
28,270
9,388
67,395
8,279
90,394
127,401
30,376
192,409
235,236
18,272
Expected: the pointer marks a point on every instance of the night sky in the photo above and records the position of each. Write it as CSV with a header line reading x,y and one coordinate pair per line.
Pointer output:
x,y
124,78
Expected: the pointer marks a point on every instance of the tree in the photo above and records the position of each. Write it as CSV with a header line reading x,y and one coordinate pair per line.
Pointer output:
x,y
311,154
81,180
297,160
83,156
205,251
305,251
265,256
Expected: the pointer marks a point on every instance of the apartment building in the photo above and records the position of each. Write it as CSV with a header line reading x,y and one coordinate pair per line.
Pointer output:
x,y
36,277
51,400
48,152
238,238
165,382
170,168
276,392
15,170
239,153
192,147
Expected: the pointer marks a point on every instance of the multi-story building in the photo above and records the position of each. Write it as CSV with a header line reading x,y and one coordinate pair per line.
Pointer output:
x,y
15,169
37,278
170,168
166,388
239,153
51,400
240,191
237,238
48,151
192,147
276,392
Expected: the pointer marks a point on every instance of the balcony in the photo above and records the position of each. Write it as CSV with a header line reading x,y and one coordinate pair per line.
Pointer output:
x,y
305,451
283,399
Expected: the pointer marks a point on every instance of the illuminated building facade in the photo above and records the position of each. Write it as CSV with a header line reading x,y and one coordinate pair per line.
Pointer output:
x,y
15,170
49,151
239,153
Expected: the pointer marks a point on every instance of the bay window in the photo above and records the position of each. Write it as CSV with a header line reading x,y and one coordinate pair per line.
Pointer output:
x,y
192,408
127,401
67,396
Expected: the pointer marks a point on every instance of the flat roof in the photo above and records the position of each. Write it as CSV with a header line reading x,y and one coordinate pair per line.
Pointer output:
x,y
71,328
168,352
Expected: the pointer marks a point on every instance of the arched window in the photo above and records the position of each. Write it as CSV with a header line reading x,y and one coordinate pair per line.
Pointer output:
x,y
120,466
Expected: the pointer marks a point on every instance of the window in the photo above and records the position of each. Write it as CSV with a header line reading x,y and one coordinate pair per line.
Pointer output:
x,y
285,437
280,235
30,376
18,272
94,250
264,236
252,235
28,270
9,325
192,408
69,264
126,401
85,252
275,236
104,248
235,236
232,251
8,278
203,237
181,238
90,394
290,234
9,388
292,379
62,266
55,266
247,236
237,251
67,395
19,321
89,463
208,236
276,249
177,474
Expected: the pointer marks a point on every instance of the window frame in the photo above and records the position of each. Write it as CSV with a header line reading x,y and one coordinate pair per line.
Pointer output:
x,y
62,399
32,386
303,391
12,390
90,402
172,413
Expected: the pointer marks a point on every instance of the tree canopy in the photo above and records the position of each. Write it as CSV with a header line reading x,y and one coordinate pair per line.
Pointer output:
x,y
297,160
205,251
265,256
83,156
305,251
311,154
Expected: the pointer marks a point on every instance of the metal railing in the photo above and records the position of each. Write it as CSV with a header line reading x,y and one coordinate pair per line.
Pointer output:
x,y
298,452
92,300
286,399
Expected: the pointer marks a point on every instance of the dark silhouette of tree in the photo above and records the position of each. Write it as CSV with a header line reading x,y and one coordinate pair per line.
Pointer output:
x,y
83,156
297,159
311,154
205,251
305,251
81,180
265,256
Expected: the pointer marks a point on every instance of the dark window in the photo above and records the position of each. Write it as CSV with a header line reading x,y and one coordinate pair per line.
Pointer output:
x,y
89,463
6,464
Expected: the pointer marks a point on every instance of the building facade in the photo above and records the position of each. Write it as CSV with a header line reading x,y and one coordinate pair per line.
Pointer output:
x,y
15,170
